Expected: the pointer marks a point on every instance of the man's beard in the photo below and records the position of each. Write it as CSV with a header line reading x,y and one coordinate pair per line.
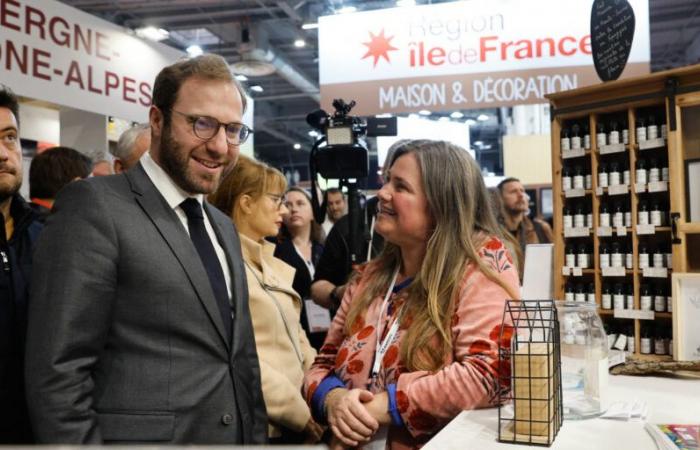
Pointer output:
x,y
10,189
176,163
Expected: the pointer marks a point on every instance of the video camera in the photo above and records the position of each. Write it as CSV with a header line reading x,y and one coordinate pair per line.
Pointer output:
x,y
345,154
344,157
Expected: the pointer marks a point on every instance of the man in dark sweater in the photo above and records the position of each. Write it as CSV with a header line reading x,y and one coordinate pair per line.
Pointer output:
x,y
21,228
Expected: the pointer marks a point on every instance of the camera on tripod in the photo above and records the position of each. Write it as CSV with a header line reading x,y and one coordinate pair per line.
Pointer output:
x,y
345,154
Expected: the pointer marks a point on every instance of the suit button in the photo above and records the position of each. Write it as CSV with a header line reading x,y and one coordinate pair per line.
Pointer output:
x,y
227,419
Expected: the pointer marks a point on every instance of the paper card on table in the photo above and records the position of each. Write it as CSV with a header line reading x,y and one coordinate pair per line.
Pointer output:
x,y
318,317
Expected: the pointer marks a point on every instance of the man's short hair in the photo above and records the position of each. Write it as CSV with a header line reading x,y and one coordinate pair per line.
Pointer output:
x,y
334,190
125,145
9,100
171,78
506,181
55,168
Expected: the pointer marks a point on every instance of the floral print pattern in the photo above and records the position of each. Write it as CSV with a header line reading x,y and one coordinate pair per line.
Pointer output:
x,y
426,401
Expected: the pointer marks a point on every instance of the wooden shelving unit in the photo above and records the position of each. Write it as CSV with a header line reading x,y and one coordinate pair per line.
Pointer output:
x,y
672,99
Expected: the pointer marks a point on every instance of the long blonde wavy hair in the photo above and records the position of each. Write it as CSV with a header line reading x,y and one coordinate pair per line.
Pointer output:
x,y
461,210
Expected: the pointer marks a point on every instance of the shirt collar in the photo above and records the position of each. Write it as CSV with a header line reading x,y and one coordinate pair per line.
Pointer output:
x,y
172,193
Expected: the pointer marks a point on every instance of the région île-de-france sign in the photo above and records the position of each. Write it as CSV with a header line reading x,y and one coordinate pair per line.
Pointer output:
x,y
53,52
464,54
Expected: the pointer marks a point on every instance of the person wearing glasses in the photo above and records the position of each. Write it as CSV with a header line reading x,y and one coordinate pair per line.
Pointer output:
x,y
252,194
139,325
300,244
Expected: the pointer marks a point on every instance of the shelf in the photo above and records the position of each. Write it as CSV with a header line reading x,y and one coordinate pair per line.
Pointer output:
x,y
651,357
583,272
663,315
690,227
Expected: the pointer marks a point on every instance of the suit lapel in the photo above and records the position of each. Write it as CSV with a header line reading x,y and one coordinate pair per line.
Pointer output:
x,y
175,236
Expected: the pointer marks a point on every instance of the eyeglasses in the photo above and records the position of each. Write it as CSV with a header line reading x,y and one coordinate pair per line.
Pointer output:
x,y
279,199
205,128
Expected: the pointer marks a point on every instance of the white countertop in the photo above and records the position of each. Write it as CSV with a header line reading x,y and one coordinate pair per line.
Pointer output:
x,y
669,400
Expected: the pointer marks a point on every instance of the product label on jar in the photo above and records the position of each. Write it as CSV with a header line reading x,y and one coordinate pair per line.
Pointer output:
x,y
660,346
655,218
579,220
644,260
565,144
576,142
658,260
570,261
616,260
643,218
660,303
641,134
652,132
606,301
580,297
645,345
614,137
578,182
568,221
603,179
604,260
641,176
629,260
654,175
645,302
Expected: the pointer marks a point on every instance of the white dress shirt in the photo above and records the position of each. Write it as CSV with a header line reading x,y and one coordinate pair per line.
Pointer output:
x,y
174,195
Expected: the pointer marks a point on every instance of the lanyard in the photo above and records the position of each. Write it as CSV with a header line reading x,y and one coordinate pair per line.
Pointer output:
x,y
383,346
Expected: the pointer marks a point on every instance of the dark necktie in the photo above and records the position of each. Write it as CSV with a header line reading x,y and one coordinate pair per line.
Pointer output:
x,y
205,248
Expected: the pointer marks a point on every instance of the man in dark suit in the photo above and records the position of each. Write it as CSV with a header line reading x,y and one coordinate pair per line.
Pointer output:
x,y
139,327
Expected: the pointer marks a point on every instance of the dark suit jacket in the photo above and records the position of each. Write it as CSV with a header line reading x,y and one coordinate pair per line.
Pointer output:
x,y
125,340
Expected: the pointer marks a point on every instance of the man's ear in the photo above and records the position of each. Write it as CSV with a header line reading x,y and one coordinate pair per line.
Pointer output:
x,y
156,119
118,166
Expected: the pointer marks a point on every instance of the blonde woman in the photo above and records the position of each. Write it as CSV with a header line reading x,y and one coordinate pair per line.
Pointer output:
x,y
252,194
416,338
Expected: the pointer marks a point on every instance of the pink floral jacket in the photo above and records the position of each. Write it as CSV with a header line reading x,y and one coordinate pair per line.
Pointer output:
x,y
424,401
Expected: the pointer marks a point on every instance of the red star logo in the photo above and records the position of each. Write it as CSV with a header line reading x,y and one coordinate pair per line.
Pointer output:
x,y
379,46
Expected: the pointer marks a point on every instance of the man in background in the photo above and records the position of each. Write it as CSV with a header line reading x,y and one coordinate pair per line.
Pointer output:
x,y
131,145
139,325
336,207
51,170
515,217
21,227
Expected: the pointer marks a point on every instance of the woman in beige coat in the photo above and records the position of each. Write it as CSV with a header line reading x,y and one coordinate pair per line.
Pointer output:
x,y
252,195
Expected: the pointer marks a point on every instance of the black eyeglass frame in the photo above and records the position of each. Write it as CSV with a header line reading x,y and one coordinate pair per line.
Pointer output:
x,y
193,119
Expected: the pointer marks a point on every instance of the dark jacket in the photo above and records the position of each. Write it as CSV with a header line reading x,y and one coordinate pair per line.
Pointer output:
x,y
16,259
302,280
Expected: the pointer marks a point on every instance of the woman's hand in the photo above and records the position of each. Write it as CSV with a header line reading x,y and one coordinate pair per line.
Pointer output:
x,y
378,408
335,444
349,419
313,432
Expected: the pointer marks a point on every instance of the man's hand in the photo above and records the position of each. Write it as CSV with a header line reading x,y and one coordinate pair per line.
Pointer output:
x,y
348,417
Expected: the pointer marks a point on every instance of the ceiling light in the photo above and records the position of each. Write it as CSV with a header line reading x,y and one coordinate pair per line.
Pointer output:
x,y
152,33
384,116
309,26
313,133
297,146
194,51
299,43
257,88
479,143
406,3
347,9
241,77
483,117
444,119
424,112
470,122
457,115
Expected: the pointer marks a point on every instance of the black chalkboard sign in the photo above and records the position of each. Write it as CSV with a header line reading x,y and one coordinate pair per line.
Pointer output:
x,y
612,33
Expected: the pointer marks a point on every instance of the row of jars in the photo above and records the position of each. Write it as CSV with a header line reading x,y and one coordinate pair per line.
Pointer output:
x,y
614,174
649,213
611,133
616,256
651,298
653,340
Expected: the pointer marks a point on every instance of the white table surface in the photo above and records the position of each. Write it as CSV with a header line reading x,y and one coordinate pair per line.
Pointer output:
x,y
669,400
